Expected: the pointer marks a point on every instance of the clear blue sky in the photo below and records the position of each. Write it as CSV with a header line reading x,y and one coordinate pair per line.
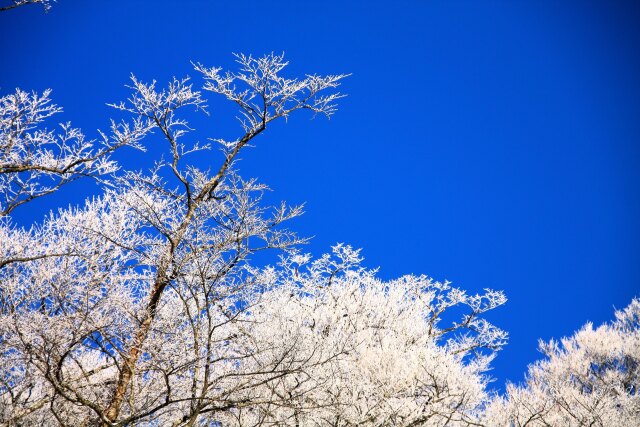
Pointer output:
x,y
493,144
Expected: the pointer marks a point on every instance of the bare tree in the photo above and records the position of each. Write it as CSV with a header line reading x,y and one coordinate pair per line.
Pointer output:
x,y
91,311
141,307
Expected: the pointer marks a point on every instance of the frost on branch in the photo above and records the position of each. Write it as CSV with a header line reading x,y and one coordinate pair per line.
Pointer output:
x,y
589,379
35,161
354,350
132,309
263,94
46,4
144,306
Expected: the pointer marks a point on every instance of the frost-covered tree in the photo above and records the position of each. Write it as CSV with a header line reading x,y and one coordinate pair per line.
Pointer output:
x,y
145,306
141,306
359,351
93,298
589,379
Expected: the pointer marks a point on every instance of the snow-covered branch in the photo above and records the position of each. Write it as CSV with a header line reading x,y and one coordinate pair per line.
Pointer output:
x,y
46,4
35,161
590,378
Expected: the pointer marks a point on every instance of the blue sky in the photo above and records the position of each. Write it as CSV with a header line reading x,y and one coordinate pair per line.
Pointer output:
x,y
493,144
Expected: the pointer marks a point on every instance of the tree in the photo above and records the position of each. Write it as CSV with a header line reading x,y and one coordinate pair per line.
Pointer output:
x,y
589,379
141,307
145,305
359,351
84,294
